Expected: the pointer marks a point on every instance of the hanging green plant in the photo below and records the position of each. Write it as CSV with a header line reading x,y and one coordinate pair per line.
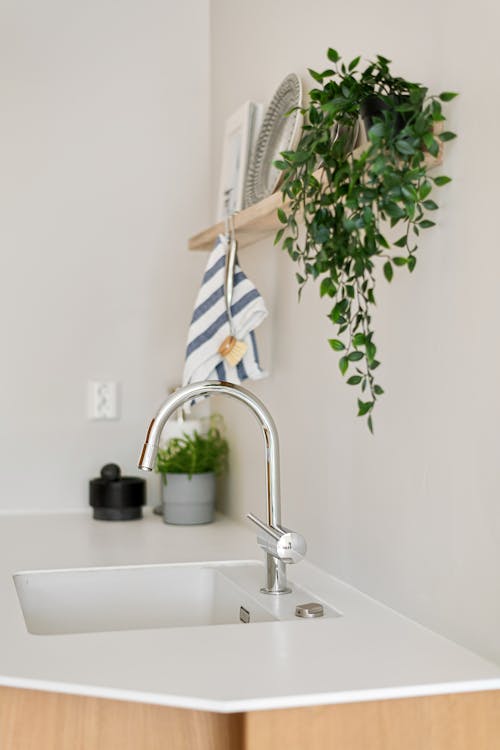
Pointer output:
x,y
347,201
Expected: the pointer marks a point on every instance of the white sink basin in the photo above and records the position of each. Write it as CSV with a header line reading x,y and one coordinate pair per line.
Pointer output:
x,y
138,597
89,600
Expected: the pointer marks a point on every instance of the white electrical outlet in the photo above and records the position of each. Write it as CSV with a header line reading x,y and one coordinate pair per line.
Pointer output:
x,y
103,399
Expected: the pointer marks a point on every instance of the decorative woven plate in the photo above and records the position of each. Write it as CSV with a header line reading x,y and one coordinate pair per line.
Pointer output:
x,y
279,132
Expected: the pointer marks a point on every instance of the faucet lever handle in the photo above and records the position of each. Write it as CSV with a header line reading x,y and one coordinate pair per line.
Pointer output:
x,y
271,530
283,544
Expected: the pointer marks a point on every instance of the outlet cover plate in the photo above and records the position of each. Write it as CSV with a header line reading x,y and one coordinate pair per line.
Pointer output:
x,y
102,401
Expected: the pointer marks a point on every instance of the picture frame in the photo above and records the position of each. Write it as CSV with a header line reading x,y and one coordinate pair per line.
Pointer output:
x,y
240,135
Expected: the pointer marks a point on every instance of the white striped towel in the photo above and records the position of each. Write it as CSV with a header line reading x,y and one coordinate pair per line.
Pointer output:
x,y
210,325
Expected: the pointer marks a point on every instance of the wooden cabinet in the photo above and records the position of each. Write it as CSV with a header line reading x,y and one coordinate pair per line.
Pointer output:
x,y
467,721
38,720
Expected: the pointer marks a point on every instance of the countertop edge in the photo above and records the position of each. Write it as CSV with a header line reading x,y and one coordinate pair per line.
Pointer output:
x,y
255,704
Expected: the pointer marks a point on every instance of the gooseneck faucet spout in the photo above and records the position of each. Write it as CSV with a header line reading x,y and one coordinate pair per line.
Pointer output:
x,y
281,545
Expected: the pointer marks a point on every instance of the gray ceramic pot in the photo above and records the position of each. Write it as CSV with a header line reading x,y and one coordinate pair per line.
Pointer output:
x,y
189,501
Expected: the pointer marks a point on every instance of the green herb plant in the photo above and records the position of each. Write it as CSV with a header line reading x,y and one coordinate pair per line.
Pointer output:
x,y
349,201
196,453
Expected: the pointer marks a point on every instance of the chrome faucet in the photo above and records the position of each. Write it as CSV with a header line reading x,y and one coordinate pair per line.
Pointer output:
x,y
281,545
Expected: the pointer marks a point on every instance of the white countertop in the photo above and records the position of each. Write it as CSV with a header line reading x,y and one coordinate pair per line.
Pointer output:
x,y
369,653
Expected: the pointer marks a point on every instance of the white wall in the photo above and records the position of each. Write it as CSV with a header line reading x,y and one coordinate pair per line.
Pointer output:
x,y
412,515
104,156
103,176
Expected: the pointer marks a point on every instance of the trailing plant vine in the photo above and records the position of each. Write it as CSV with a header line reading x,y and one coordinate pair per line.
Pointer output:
x,y
349,201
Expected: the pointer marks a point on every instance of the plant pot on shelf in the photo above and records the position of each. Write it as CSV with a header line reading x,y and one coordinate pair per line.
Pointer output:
x,y
189,500
374,106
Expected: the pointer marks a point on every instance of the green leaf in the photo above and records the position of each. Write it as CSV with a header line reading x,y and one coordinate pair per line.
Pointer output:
x,y
399,261
382,241
425,189
281,164
388,271
426,224
431,144
371,350
437,110
327,287
430,205
442,180
279,235
343,365
354,380
369,422
401,242
378,390
421,125
355,356
394,211
376,131
412,262
354,63
300,157
359,339
336,345
282,216
314,74
447,96
314,116
409,192
405,147
364,407
447,136
333,55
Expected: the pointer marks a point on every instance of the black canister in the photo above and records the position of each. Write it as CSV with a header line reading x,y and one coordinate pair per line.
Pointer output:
x,y
116,498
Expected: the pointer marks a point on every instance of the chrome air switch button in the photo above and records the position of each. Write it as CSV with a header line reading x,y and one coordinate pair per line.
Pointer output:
x,y
311,609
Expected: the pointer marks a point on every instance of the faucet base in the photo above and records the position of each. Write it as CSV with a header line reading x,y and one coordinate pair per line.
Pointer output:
x,y
276,577
265,590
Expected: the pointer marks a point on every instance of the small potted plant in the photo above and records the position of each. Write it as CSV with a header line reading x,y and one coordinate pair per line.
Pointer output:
x,y
189,466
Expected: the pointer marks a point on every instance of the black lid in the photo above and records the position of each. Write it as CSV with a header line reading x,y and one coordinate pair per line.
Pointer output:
x,y
123,497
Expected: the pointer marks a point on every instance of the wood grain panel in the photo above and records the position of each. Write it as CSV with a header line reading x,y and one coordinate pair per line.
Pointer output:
x,y
37,720
468,721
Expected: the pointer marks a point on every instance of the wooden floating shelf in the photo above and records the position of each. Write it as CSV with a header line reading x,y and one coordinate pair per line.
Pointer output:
x,y
261,220
251,225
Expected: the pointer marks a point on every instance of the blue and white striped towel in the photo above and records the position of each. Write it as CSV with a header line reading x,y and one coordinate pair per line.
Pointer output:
x,y
210,325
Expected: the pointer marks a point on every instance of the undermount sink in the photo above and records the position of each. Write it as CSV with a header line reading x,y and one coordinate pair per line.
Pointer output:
x,y
90,600
139,597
